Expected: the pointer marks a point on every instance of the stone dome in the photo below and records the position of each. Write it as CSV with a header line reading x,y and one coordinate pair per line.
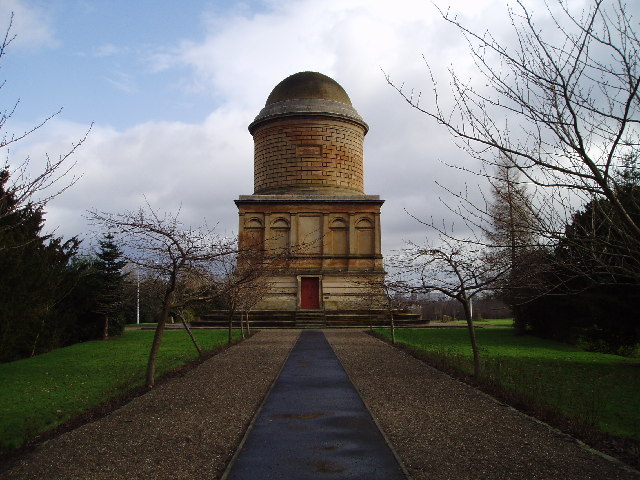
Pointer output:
x,y
308,140
308,93
308,85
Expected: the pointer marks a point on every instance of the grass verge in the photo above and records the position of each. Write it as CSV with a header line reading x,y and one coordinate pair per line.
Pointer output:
x,y
484,322
40,393
586,393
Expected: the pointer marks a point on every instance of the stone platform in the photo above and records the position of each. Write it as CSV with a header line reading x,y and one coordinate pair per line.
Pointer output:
x,y
309,318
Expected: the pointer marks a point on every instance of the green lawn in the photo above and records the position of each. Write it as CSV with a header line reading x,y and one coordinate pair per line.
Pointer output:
x,y
39,393
591,388
494,322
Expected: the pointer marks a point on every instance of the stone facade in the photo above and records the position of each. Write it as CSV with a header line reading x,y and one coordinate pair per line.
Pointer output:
x,y
309,202
308,156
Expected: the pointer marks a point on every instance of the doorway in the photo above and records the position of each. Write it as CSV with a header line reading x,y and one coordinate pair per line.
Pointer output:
x,y
309,293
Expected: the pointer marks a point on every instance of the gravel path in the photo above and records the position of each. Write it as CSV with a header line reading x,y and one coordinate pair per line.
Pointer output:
x,y
444,429
189,427
186,428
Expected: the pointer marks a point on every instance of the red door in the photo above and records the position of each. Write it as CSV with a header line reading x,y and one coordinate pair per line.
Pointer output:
x,y
310,293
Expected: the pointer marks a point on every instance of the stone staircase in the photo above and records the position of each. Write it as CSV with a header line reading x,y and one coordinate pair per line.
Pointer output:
x,y
308,318
311,319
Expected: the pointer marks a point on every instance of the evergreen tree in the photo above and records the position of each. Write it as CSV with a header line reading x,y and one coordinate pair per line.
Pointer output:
x,y
34,279
109,265
512,232
594,283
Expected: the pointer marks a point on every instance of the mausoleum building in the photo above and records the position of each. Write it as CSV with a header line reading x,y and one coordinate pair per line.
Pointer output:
x,y
309,203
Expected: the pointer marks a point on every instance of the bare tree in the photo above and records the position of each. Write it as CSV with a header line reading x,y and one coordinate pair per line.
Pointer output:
x,y
25,188
248,277
393,298
233,281
456,269
250,294
384,294
564,112
183,257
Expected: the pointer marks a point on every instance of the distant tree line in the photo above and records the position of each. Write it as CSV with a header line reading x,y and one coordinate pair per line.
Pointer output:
x,y
438,309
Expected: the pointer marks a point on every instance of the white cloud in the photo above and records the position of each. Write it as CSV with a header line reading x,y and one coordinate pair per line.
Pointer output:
x,y
198,168
31,25
123,81
204,167
244,56
107,50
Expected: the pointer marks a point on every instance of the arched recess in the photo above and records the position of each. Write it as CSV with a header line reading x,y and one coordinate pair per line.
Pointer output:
x,y
365,237
254,233
339,237
280,235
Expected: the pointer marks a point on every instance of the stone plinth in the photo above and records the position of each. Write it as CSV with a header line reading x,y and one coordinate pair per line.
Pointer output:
x,y
335,238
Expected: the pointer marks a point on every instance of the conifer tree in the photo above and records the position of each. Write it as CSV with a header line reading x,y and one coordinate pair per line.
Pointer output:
x,y
34,277
512,232
109,265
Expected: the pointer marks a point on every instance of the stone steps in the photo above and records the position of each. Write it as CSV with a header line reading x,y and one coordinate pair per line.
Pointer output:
x,y
313,319
308,318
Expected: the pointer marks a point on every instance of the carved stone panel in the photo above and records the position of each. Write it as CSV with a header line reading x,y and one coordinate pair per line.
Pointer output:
x,y
310,234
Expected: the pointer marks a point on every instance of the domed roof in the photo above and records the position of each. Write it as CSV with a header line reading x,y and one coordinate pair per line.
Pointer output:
x,y
308,93
308,85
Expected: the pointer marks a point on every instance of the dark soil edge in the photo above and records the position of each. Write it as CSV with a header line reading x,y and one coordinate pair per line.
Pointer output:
x,y
622,449
9,459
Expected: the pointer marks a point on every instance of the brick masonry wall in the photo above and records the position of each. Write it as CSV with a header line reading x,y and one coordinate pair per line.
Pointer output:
x,y
308,156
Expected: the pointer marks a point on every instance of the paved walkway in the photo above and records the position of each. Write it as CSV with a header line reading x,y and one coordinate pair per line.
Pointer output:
x,y
314,425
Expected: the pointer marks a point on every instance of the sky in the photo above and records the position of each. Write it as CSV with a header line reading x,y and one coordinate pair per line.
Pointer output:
x,y
169,88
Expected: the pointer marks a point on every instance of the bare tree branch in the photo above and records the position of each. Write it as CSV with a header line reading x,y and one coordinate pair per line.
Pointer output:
x,y
574,102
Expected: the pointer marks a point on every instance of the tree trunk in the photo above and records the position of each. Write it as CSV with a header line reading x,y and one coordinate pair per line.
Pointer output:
x,y
248,325
155,347
230,329
393,328
472,338
157,338
35,344
193,339
105,327
35,341
242,324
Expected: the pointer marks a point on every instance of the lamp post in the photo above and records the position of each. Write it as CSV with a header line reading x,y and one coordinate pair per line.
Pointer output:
x,y
138,297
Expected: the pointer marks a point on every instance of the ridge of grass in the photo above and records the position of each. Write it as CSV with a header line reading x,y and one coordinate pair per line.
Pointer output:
x,y
482,322
42,392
